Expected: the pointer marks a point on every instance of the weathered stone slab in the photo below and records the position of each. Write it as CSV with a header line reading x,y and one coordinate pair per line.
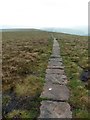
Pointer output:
x,y
56,79
55,67
50,109
56,59
56,47
55,44
55,56
55,92
55,71
56,51
54,63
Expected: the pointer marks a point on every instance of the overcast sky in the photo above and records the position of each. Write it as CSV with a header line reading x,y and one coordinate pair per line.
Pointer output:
x,y
44,13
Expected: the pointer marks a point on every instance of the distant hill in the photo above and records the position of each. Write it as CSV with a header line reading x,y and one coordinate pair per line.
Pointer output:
x,y
19,29
81,31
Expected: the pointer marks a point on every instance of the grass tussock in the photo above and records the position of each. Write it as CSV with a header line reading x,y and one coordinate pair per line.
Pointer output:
x,y
31,86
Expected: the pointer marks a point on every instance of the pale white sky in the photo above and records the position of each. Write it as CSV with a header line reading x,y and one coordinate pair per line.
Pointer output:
x,y
44,13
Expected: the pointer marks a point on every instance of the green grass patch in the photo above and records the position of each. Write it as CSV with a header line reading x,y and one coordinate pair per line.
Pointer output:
x,y
74,51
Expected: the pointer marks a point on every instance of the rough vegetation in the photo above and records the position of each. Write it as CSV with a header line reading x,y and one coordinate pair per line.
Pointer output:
x,y
25,58
74,51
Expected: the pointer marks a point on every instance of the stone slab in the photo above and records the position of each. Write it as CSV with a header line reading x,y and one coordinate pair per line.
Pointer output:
x,y
55,92
55,45
55,67
56,48
55,56
56,52
55,71
56,59
56,79
50,109
54,63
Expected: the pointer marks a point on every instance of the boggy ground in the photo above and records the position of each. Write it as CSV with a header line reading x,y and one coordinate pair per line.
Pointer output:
x,y
25,58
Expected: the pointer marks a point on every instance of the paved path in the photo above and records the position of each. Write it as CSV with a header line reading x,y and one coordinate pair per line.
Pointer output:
x,y
55,92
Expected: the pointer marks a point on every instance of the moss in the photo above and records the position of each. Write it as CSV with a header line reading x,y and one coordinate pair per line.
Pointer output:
x,y
5,100
22,114
79,113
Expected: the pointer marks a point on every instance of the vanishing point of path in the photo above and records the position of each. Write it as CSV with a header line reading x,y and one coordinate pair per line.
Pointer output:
x,y
55,93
